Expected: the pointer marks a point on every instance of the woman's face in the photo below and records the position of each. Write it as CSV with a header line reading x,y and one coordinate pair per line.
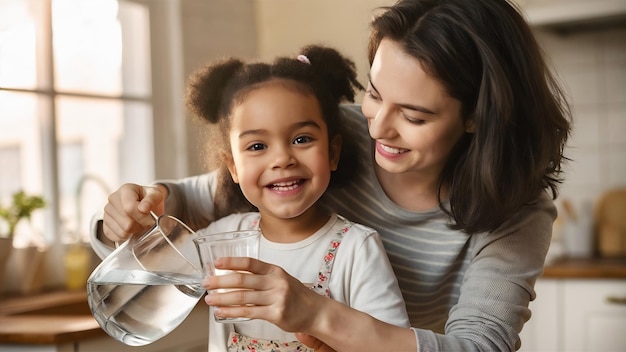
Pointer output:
x,y
414,122
280,149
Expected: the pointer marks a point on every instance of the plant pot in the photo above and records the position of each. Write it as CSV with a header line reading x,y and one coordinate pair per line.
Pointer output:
x,y
24,270
6,247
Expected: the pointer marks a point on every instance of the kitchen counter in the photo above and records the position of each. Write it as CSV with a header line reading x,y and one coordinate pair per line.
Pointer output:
x,y
596,268
49,318
61,321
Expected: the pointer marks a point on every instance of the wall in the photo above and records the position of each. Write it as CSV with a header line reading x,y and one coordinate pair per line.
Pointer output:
x,y
592,65
210,30
285,26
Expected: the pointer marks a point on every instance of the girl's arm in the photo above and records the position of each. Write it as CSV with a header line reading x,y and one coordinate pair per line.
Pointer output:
x,y
282,300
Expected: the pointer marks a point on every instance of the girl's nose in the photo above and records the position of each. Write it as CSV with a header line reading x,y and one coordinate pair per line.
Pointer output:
x,y
283,158
381,124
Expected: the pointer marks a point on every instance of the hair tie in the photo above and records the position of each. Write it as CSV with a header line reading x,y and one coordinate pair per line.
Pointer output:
x,y
304,59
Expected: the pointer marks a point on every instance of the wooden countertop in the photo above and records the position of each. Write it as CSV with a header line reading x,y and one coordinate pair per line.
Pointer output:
x,y
48,329
48,318
593,268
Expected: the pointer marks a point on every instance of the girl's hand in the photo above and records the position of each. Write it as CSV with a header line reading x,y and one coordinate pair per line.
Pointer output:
x,y
128,210
271,295
319,322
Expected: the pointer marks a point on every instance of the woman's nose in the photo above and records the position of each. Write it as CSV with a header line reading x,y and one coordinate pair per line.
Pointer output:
x,y
381,124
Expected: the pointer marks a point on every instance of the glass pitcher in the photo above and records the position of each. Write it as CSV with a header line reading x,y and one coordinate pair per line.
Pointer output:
x,y
146,287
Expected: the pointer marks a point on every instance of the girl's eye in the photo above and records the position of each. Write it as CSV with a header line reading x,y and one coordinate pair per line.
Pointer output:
x,y
302,139
256,146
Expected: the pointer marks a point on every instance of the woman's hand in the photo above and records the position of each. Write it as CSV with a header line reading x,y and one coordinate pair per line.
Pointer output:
x,y
314,343
271,295
128,210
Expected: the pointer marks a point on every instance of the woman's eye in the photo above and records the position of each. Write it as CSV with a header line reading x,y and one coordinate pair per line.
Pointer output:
x,y
414,120
371,94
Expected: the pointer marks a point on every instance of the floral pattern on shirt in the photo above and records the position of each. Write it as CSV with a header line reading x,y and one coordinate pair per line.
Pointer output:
x,y
239,343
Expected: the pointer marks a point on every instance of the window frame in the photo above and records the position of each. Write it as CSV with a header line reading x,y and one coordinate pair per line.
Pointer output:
x,y
166,100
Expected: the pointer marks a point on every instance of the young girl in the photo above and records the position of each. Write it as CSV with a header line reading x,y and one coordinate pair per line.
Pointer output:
x,y
281,130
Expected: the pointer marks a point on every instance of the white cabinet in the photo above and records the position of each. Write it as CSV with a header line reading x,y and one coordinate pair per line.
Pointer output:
x,y
577,315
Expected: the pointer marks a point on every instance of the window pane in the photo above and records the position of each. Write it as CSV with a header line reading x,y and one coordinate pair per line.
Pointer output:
x,y
102,143
94,54
10,175
21,152
87,46
136,69
21,33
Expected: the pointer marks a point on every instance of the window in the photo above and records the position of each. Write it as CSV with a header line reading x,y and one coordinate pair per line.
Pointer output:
x,y
76,115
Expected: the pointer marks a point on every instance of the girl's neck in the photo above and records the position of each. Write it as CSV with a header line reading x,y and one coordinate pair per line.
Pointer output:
x,y
292,230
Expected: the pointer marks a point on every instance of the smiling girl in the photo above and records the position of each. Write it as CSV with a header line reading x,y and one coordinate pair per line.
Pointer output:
x,y
282,143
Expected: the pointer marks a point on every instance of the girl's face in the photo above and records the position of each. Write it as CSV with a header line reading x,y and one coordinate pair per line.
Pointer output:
x,y
414,121
280,149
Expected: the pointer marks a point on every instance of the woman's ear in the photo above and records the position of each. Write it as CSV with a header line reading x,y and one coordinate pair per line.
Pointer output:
x,y
469,126
335,152
227,159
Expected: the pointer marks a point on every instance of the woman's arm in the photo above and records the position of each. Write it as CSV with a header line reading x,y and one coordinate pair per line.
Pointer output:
x,y
498,284
128,209
190,199
345,329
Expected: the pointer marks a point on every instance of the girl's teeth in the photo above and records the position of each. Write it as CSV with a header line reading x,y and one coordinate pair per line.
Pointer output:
x,y
285,186
391,150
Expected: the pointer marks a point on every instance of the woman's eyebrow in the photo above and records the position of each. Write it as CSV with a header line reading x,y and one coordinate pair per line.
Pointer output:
x,y
405,105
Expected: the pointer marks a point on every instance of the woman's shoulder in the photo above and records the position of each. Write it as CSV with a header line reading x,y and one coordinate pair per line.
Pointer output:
x,y
353,116
351,110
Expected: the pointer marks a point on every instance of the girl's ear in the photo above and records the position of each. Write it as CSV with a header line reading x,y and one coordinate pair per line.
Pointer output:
x,y
335,152
227,159
469,126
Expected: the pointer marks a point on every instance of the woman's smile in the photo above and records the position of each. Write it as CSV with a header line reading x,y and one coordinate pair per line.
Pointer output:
x,y
390,152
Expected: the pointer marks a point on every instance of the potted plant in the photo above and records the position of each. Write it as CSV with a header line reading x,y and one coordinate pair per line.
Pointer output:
x,y
21,207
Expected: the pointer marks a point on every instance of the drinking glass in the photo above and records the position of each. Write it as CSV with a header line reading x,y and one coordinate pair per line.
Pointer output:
x,y
244,243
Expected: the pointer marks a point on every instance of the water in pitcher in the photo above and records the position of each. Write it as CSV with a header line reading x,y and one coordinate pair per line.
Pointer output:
x,y
138,307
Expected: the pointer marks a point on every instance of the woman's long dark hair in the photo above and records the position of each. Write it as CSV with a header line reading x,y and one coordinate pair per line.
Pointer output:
x,y
486,56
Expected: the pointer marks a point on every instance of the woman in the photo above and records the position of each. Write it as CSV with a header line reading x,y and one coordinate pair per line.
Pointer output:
x,y
467,132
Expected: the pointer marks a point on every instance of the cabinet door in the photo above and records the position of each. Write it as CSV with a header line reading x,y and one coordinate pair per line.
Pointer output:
x,y
594,319
541,332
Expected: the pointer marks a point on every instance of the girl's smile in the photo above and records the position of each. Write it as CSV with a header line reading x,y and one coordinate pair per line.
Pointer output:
x,y
286,187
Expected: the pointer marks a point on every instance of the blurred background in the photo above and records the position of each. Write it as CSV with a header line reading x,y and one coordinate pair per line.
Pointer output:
x,y
91,96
